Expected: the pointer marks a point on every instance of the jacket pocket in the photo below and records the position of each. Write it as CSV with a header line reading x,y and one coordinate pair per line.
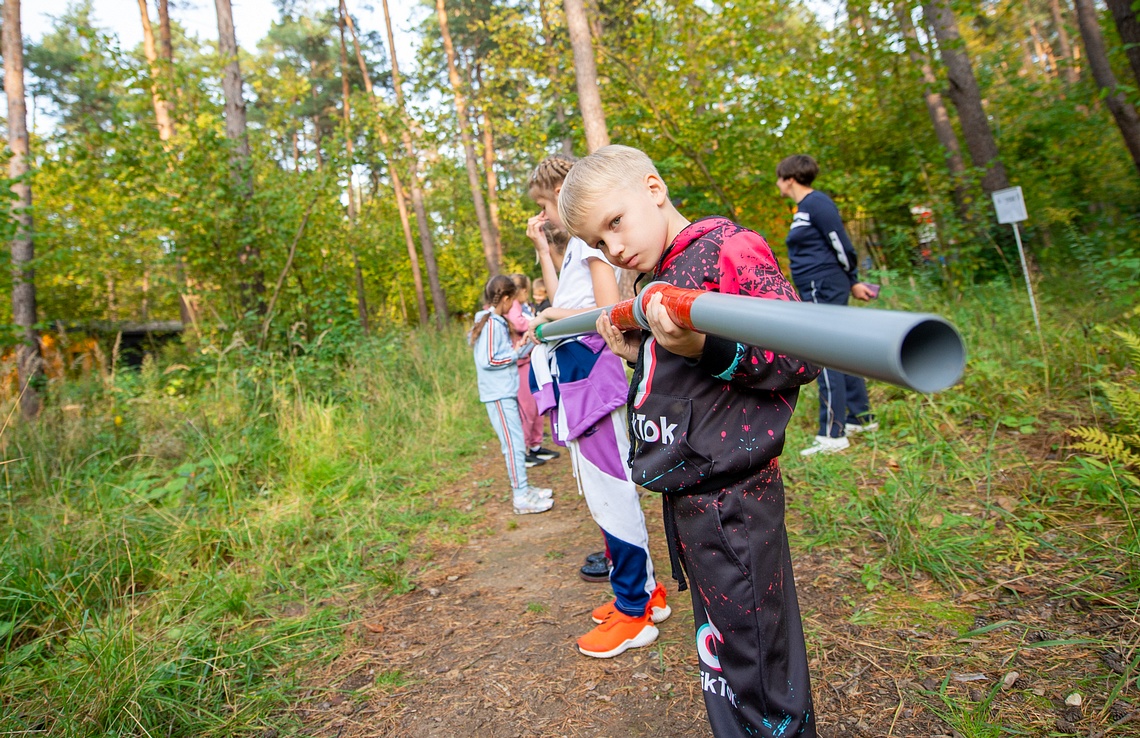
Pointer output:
x,y
663,460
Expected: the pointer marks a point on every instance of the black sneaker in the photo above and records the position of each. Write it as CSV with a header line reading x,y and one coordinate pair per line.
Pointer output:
x,y
596,558
546,454
595,572
533,460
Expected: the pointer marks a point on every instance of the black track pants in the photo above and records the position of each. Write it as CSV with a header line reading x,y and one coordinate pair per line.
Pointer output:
x,y
750,640
842,397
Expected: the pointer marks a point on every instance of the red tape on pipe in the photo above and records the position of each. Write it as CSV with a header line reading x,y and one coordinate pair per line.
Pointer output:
x,y
622,316
678,301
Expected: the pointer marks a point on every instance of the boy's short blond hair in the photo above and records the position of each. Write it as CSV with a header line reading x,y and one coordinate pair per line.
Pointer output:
x,y
609,168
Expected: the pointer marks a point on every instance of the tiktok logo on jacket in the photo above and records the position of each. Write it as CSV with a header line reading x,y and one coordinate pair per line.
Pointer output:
x,y
660,424
707,638
653,431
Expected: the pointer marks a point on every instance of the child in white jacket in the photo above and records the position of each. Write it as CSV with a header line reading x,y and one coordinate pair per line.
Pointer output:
x,y
495,369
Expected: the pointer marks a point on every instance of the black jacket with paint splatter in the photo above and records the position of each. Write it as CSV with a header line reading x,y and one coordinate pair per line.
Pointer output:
x,y
699,425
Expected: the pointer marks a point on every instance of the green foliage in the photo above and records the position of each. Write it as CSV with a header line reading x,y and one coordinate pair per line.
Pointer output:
x,y
179,543
928,495
1123,397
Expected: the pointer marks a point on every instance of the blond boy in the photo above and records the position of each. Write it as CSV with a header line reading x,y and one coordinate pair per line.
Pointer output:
x,y
707,420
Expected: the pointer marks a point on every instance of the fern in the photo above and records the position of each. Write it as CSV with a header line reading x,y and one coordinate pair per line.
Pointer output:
x,y
1124,399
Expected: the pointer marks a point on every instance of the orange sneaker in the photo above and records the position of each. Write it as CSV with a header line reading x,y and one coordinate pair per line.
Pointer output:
x,y
657,608
617,634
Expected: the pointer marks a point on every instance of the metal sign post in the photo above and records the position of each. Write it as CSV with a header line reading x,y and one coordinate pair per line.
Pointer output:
x,y
1010,207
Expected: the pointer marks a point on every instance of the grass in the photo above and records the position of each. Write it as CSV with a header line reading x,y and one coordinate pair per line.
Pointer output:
x,y
183,542
175,551
977,486
948,484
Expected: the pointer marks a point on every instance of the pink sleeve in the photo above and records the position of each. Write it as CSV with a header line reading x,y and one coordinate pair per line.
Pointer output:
x,y
516,319
748,267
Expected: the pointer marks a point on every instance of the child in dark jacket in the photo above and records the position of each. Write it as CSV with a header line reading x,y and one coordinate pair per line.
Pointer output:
x,y
707,420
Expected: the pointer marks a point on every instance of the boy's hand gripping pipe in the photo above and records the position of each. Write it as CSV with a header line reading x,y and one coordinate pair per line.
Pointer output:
x,y
920,351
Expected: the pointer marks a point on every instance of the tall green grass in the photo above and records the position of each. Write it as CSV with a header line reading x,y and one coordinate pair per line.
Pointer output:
x,y
179,541
981,473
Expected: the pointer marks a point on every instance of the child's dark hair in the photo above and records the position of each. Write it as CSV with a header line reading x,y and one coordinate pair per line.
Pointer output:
x,y
549,173
498,287
800,167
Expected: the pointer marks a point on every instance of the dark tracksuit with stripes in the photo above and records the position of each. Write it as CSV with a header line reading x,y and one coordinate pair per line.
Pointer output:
x,y
824,269
707,434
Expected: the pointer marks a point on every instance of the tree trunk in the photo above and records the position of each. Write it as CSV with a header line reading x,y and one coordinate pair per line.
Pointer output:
x,y
586,74
427,243
1123,111
1064,48
554,76
1043,51
161,109
29,366
349,146
965,95
253,282
144,311
490,248
492,181
1129,28
489,171
936,108
235,100
590,103
401,200
165,46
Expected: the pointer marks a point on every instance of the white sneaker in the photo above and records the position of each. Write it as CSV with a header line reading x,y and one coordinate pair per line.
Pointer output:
x,y
864,428
531,503
826,445
542,493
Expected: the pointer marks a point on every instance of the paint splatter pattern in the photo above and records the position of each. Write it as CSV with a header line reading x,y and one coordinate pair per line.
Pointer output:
x,y
716,438
691,427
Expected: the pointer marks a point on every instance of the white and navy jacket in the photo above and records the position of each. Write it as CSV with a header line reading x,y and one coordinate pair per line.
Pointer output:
x,y
818,244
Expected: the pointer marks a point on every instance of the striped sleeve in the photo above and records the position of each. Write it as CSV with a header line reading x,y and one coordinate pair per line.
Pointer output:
x,y
493,360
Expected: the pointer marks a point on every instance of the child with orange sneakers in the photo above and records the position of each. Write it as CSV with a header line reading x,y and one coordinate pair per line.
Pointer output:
x,y
709,417
495,363
583,385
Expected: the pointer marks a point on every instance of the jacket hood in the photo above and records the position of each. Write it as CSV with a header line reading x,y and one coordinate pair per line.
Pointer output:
x,y
688,235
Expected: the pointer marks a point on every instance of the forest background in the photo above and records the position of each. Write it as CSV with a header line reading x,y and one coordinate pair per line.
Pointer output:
x,y
320,217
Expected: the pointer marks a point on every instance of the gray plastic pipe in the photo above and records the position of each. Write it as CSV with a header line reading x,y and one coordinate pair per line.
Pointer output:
x,y
920,351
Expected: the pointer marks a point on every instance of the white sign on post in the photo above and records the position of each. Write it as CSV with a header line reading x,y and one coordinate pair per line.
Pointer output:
x,y
1010,205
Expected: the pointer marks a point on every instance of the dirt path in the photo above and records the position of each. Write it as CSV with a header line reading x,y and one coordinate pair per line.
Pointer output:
x,y
484,646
